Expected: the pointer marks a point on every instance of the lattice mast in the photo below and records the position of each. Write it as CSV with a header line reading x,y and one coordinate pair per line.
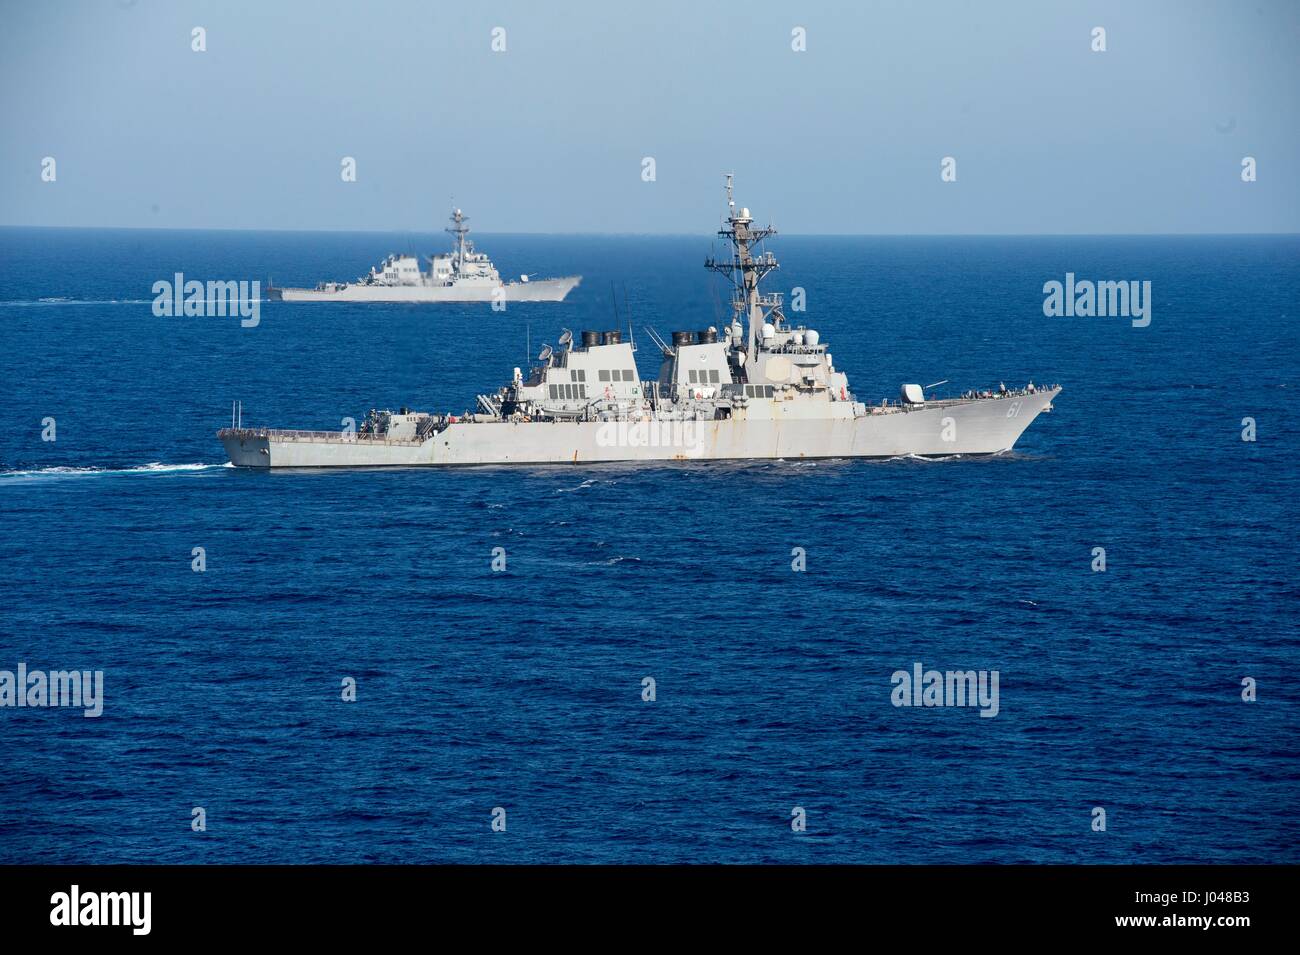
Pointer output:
x,y
745,269
460,230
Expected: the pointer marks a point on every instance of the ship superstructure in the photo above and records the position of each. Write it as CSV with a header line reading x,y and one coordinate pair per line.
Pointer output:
x,y
759,388
461,275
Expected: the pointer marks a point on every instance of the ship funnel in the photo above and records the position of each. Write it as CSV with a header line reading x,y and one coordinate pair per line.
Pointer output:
x,y
590,339
611,338
706,337
681,338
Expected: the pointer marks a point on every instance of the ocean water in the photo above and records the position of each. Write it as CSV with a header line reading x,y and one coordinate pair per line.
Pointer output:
x,y
523,690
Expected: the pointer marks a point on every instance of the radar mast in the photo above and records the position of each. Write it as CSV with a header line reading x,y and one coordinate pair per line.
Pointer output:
x,y
460,231
745,269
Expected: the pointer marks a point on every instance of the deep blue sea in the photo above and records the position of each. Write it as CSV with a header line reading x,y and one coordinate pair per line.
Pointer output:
x,y
522,690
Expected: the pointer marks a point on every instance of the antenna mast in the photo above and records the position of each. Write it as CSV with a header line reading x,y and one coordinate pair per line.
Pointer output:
x,y
459,230
627,307
745,269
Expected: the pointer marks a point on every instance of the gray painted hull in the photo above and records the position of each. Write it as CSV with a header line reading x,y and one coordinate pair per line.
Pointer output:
x,y
544,290
940,429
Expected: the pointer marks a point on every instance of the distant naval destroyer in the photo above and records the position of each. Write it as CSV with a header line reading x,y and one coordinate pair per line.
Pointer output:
x,y
463,275
757,389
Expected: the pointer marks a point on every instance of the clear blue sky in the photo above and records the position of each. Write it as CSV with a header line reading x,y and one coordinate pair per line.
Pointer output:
x,y
847,137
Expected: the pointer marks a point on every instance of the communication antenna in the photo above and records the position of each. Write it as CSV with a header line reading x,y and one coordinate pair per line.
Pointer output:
x,y
545,354
566,339
717,301
658,340
627,305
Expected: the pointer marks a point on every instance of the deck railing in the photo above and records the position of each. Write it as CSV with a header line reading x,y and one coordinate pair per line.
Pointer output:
x,y
277,434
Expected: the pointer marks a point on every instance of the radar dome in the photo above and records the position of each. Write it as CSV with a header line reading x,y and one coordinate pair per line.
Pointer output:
x,y
810,337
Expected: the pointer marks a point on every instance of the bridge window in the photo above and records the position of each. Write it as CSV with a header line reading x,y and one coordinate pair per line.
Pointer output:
x,y
604,374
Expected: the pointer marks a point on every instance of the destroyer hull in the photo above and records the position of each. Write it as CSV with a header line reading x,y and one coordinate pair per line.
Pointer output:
x,y
974,427
544,290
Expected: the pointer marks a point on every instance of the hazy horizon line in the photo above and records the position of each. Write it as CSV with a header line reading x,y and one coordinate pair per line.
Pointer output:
x,y
580,234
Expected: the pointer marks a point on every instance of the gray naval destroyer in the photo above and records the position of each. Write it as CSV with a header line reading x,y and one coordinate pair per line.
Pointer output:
x,y
462,275
758,389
